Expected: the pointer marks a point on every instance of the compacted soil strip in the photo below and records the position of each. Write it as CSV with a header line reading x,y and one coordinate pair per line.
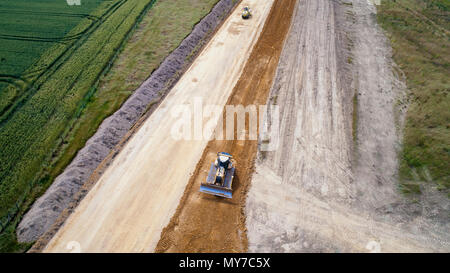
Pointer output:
x,y
205,223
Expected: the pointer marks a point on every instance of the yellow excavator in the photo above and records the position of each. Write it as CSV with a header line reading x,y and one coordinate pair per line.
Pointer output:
x,y
246,13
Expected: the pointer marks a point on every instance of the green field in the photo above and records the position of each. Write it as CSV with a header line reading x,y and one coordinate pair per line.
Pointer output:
x,y
56,101
419,31
34,116
28,29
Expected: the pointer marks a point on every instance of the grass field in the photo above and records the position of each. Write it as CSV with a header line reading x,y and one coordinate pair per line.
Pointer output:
x,y
419,31
32,124
74,85
27,30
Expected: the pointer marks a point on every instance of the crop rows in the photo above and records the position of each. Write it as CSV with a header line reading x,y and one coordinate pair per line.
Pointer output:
x,y
33,124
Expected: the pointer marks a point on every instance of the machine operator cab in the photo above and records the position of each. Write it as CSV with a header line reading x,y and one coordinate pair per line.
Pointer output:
x,y
223,164
220,177
223,161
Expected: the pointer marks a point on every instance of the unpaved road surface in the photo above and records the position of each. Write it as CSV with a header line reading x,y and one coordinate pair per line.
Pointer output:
x,y
135,198
205,223
318,191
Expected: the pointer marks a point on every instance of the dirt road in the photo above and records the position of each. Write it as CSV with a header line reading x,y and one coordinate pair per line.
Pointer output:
x,y
205,223
320,191
137,195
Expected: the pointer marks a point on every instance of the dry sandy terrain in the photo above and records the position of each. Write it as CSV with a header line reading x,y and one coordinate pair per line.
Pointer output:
x,y
206,223
318,191
137,195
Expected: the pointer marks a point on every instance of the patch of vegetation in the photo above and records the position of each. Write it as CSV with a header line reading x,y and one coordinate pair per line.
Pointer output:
x,y
27,30
80,86
33,126
419,34
410,188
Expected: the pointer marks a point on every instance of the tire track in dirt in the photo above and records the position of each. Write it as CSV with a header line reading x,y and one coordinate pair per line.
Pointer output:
x,y
310,194
205,223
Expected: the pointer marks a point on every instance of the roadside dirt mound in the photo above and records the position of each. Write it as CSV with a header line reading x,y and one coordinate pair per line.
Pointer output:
x,y
205,223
